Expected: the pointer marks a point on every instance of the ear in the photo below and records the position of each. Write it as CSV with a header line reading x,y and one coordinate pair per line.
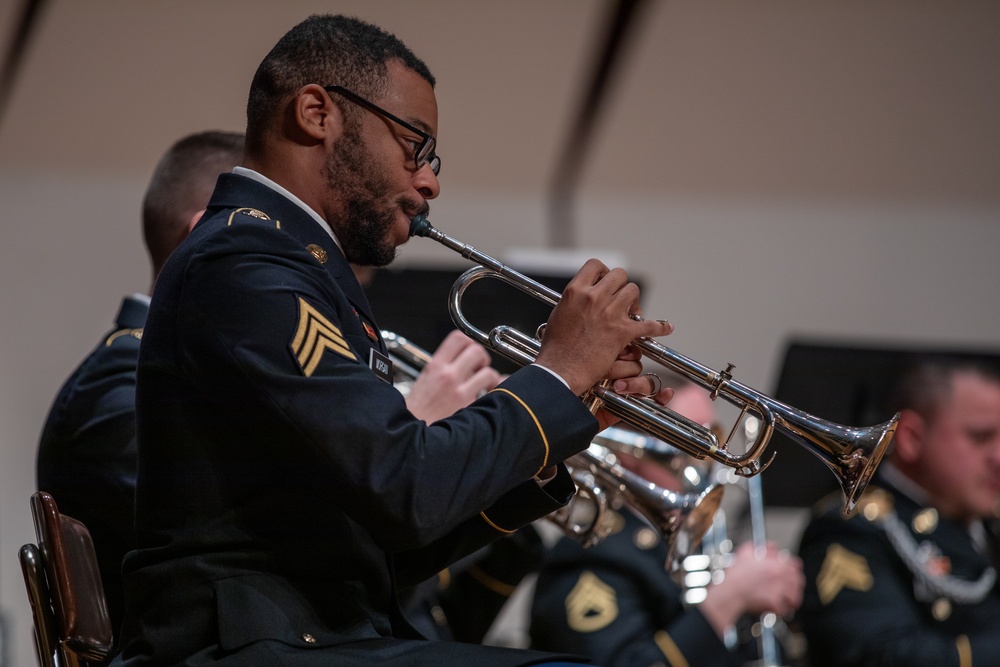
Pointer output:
x,y
315,114
908,441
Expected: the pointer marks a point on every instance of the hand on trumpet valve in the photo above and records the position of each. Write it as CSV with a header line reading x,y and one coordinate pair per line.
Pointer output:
x,y
588,334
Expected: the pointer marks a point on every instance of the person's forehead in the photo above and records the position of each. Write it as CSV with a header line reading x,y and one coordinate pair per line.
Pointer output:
x,y
411,97
973,396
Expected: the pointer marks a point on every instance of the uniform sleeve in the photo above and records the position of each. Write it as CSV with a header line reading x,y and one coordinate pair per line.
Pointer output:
x,y
515,509
269,327
859,608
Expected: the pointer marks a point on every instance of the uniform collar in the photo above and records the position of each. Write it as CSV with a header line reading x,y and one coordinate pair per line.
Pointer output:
x,y
133,311
264,180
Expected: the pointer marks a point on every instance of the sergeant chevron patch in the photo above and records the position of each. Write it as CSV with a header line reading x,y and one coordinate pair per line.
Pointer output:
x,y
842,569
315,335
591,605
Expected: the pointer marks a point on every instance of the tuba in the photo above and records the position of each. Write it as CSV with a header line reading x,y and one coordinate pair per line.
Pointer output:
x,y
851,453
602,483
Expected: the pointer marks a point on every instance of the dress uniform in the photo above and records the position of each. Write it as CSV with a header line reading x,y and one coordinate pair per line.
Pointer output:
x,y
86,455
284,492
616,603
463,601
897,584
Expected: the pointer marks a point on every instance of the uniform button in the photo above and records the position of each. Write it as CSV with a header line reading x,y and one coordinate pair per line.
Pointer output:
x,y
308,638
925,521
941,609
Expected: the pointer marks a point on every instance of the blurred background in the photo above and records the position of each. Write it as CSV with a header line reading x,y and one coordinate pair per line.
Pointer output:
x,y
772,172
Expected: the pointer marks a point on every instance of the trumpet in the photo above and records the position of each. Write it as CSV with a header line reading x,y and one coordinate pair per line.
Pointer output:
x,y
602,484
851,453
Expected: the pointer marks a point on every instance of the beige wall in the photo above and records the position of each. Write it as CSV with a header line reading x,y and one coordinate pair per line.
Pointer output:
x,y
770,169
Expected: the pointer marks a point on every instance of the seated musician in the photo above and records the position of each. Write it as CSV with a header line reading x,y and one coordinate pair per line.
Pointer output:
x,y
617,603
910,578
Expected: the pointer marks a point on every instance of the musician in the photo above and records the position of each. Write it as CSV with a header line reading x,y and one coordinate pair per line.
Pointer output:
x,y
284,493
910,577
87,452
617,603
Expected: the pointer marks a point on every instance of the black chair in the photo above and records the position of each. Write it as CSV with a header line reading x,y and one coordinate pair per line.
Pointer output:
x,y
69,611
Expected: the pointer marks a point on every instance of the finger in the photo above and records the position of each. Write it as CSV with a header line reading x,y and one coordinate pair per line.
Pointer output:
x,y
630,353
471,359
452,346
628,371
635,385
652,329
481,382
589,274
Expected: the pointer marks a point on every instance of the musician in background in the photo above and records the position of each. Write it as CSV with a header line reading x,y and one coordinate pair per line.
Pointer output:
x,y
87,452
911,577
617,603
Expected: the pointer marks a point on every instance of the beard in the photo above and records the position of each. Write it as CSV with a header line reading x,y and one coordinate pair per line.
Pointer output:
x,y
369,212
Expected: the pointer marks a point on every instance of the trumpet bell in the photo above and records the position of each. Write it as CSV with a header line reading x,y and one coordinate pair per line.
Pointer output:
x,y
688,535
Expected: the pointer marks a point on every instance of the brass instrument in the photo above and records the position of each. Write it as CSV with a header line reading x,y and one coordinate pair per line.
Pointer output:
x,y
602,484
851,453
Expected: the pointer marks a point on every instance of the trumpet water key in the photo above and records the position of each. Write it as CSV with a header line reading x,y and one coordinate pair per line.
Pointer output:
x,y
851,453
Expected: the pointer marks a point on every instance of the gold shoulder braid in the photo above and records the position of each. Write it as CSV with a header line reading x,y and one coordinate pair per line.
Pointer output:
x,y
921,559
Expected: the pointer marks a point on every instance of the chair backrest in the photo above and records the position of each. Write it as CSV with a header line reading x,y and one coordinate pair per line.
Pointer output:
x,y
40,599
79,610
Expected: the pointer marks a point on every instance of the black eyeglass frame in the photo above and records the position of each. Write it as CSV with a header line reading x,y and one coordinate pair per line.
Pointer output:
x,y
424,153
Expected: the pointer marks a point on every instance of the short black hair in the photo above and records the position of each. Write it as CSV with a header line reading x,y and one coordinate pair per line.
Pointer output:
x,y
181,185
927,383
326,50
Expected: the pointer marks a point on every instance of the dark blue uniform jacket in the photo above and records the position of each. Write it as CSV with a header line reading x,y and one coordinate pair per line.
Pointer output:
x,y
284,492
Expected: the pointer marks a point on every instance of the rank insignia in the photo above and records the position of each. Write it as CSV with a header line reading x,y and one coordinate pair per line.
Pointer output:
x,y
842,569
318,253
315,335
370,330
591,605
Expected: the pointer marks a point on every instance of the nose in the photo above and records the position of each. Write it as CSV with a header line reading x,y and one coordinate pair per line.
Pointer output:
x,y
426,182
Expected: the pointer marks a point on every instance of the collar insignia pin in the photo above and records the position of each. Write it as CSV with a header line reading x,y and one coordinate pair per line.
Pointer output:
x,y
318,253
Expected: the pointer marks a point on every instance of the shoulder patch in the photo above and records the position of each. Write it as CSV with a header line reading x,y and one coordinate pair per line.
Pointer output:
x,y
253,213
842,569
591,605
314,335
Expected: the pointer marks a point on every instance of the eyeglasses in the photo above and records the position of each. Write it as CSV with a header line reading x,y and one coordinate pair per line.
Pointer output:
x,y
424,151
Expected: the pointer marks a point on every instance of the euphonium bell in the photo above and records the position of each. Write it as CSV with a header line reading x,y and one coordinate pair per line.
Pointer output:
x,y
851,453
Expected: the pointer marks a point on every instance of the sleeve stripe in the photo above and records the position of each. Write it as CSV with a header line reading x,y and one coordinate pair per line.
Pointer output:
x,y
545,441
670,650
491,583
964,651
493,525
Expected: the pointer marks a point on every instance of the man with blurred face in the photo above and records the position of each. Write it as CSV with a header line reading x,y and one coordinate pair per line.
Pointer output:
x,y
910,578
617,603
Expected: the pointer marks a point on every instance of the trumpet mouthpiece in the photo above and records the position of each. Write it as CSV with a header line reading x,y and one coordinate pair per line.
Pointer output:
x,y
420,226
